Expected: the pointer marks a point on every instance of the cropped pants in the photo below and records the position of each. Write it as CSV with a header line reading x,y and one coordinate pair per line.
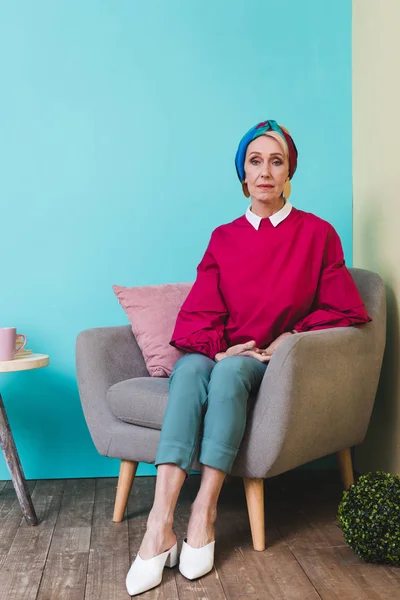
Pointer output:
x,y
207,410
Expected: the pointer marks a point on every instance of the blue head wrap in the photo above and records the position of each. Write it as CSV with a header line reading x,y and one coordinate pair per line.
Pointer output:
x,y
256,131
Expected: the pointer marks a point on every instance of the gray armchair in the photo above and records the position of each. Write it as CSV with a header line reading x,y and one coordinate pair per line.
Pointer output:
x,y
316,398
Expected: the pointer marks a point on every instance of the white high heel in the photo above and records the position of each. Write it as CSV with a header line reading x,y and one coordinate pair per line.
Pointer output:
x,y
146,574
196,562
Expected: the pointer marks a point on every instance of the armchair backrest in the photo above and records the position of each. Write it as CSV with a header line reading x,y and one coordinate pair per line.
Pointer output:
x,y
372,289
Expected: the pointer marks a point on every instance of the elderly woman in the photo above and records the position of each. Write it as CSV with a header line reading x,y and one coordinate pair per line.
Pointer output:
x,y
269,274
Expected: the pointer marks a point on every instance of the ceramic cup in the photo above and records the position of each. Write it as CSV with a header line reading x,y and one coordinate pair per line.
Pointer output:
x,y
8,342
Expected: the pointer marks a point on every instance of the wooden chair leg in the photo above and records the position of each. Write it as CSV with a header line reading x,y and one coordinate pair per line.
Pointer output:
x,y
254,489
127,474
346,467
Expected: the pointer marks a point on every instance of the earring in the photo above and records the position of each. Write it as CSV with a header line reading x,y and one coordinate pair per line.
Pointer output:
x,y
287,188
245,189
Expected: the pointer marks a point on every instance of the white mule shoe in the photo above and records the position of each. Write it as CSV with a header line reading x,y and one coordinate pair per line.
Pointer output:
x,y
196,562
146,574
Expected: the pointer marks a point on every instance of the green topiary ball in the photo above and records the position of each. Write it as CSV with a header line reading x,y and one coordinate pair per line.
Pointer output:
x,y
369,515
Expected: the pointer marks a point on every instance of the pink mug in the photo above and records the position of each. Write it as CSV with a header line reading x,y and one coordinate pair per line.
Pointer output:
x,y
8,342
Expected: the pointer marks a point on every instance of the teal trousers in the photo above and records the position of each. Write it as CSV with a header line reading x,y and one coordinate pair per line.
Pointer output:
x,y
207,410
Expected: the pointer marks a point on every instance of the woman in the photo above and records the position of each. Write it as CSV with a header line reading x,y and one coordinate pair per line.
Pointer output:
x,y
269,274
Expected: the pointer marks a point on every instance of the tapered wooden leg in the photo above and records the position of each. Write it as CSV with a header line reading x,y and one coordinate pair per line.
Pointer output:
x,y
14,466
346,467
127,474
254,489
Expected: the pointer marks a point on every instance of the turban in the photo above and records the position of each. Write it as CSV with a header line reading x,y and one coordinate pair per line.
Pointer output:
x,y
255,132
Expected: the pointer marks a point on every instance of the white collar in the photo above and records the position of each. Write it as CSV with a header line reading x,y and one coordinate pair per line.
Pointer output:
x,y
275,219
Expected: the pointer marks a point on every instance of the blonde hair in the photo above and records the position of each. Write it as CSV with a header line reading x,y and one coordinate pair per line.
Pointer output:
x,y
281,141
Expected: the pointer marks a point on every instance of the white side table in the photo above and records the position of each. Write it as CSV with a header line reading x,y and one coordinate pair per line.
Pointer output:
x,y
33,361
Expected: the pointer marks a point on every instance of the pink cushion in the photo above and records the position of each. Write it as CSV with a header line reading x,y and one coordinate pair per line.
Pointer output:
x,y
152,312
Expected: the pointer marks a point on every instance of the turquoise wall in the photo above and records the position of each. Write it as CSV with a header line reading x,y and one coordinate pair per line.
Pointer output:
x,y
119,125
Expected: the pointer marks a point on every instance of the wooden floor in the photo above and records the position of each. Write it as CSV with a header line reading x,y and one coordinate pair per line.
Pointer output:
x,y
77,553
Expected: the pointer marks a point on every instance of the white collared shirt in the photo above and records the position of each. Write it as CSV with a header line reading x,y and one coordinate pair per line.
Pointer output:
x,y
275,219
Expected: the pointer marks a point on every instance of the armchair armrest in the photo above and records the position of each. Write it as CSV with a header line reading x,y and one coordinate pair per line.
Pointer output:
x,y
316,398
105,356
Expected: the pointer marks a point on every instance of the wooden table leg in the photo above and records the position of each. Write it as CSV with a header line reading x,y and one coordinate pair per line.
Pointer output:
x,y
14,466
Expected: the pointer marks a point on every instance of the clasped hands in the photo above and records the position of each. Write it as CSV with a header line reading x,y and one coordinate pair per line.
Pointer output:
x,y
250,349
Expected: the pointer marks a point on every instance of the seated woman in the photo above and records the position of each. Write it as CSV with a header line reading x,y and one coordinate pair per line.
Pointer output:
x,y
271,273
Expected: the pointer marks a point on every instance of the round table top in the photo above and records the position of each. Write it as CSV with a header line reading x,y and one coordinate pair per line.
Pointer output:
x,y
25,363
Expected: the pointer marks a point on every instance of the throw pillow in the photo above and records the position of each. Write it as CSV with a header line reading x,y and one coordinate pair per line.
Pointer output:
x,y
152,311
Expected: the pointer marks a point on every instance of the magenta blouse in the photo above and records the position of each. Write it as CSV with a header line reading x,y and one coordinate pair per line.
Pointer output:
x,y
256,284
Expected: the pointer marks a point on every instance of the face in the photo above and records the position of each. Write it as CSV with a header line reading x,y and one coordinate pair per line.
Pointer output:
x,y
266,169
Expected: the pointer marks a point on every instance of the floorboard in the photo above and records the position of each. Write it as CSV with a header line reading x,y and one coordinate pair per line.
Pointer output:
x,y
109,548
22,570
10,516
77,552
64,576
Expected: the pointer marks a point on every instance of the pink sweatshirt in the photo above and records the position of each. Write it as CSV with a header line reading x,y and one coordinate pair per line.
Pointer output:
x,y
256,284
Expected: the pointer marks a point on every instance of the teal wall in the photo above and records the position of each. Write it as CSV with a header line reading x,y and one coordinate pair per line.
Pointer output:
x,y
119,125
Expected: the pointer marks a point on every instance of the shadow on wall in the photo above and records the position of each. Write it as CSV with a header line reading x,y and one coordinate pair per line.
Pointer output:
x,y
386,414
379,450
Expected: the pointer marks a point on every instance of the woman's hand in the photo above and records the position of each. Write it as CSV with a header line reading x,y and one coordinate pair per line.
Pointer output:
x,y
235,350
240,348
250,349
247,349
